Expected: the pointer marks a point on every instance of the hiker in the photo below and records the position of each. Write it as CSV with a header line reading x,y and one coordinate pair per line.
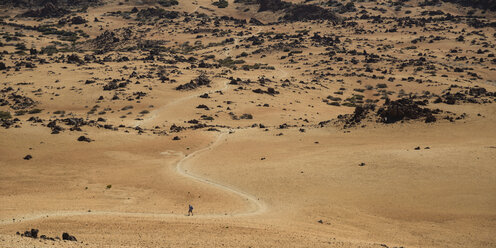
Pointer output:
x,y
190,211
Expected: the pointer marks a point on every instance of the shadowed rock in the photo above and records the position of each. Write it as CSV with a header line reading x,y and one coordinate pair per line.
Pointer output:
x,y
67,236
201,80
48,11
404,109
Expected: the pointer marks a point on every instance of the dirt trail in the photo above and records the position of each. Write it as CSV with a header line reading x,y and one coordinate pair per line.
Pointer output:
x,y
257,206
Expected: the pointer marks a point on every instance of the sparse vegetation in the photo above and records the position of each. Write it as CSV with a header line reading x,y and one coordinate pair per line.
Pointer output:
x,y
221,4
4,115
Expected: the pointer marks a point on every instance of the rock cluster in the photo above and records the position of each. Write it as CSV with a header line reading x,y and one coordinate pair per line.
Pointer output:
x,y
390,112
48,11
405,109
201,80
33,233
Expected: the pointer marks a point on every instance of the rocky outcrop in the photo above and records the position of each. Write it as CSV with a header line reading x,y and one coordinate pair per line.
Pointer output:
x,y
41,3
111,40
201,80
405,109
272,5
481,4
306,12
48,11
299,12
390,112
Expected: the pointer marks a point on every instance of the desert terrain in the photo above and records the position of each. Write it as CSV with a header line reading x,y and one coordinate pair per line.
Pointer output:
x,y
283,123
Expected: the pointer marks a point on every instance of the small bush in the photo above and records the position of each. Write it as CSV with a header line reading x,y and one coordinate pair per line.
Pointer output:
x,y
221,4
168,3
21,112
246,116
34,111
332,98
5,115
381,86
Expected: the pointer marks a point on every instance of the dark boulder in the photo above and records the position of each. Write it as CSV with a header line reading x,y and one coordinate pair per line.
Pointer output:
x,y
255,21
31,234
83,138
40,3
67,236
77,20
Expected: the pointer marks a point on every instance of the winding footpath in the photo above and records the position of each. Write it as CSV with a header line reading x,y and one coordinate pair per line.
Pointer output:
x,y
257,206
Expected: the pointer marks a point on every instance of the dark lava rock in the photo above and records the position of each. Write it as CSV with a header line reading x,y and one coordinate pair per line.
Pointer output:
x,y
74,59
390,112
156,13
430,119
299,12
21,102
2,66
111,86
77,20
175,128
28,157
202,106
255,21
55,128
477,91
481,4
40,3
77,122
31,234
83,138
304,12
48,11
6,123
176,138
360,113
269,91
201,80
66,236
404,109
111,40
272,5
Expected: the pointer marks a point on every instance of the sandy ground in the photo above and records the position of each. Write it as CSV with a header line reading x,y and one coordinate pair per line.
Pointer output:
x,y
252,181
